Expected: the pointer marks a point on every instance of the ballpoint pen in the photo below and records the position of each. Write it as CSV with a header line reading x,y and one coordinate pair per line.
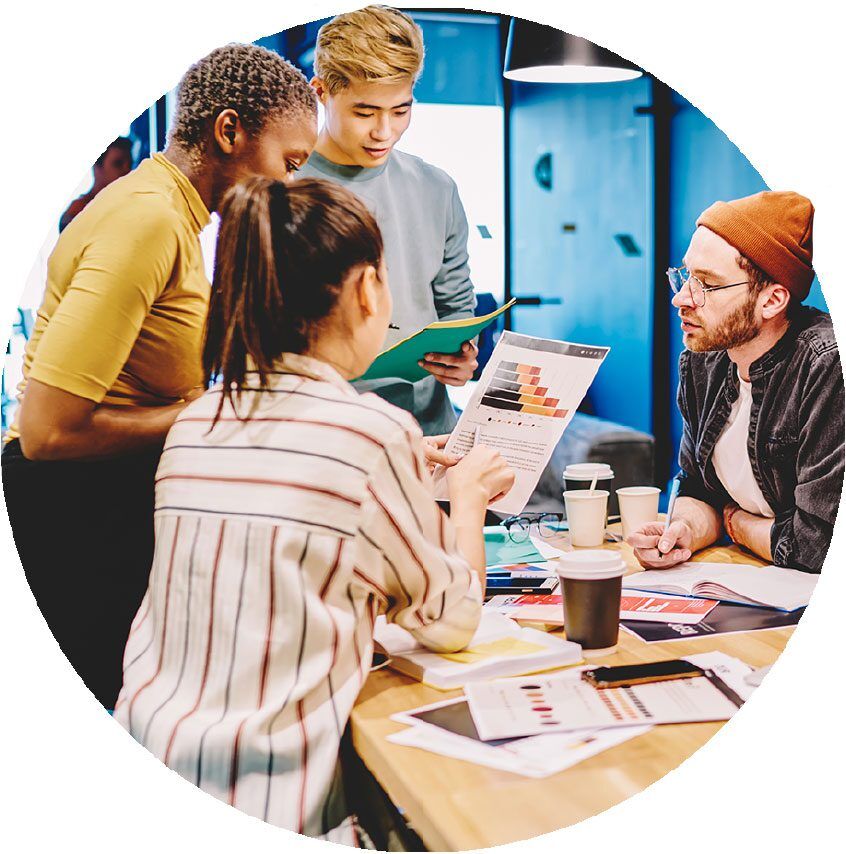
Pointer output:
x,y
674,494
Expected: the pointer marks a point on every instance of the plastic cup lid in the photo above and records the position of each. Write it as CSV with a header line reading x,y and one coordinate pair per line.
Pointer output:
x,y
588,471
590,564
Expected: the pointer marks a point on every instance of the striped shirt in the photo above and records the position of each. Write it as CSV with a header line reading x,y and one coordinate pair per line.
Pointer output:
x,y
278,541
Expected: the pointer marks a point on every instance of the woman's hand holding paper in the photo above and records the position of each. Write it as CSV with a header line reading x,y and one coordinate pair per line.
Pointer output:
x,y
433,451
482,473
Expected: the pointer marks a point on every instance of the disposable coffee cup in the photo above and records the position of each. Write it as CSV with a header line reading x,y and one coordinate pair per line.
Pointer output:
x,y
587,512
581,476
638,507
591,584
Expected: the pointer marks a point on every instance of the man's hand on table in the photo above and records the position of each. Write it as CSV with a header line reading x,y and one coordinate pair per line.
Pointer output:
x,y
656,548
452,368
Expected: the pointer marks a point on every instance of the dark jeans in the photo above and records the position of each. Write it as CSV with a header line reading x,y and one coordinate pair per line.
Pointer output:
x,y
84,533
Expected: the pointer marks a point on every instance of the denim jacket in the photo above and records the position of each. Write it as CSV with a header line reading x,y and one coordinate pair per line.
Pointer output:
x,y
796,433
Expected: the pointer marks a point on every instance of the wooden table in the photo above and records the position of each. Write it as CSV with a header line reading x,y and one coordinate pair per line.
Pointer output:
x,y
455,805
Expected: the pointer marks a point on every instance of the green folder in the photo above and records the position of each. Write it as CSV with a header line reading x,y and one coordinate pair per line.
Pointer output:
x,y
443,336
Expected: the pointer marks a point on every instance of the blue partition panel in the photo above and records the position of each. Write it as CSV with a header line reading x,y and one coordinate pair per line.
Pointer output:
x,y
581,217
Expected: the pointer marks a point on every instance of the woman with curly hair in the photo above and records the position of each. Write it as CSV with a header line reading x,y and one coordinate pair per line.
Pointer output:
x,y
116,351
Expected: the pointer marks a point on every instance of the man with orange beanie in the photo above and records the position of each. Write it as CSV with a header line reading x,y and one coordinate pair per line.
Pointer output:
x,y
760,391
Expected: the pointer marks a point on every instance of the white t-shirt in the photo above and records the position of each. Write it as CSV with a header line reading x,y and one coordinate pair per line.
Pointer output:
x,y
731,457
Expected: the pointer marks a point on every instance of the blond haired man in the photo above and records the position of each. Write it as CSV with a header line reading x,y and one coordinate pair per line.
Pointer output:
x,y
366,64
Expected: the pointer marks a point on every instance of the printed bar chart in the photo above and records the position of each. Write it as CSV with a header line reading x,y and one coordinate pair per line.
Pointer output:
x,y
516,387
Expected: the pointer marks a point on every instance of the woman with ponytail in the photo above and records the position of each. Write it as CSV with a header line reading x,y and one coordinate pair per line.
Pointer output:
x,y
290,512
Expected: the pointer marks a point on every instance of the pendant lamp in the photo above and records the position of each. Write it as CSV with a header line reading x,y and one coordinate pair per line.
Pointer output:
x,y
536,53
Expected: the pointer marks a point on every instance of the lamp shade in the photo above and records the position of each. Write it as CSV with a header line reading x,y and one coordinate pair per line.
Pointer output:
x,y
539,54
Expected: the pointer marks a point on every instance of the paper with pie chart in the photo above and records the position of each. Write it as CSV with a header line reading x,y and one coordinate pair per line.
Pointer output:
x,y
523,402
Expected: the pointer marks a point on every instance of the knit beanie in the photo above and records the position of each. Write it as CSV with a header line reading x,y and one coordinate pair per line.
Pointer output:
x,y
774,231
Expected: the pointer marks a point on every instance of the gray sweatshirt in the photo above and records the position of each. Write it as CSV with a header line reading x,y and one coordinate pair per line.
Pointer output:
x,y
425,232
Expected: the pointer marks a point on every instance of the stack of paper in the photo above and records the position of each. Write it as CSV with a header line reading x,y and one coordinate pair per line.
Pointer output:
x,y
452,727
766,586
447,728
499,648
545,569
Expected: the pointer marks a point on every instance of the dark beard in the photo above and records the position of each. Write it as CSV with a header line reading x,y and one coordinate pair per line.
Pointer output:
x,y
735,330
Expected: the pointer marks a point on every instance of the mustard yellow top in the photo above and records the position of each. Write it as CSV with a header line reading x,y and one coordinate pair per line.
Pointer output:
x,y
127,295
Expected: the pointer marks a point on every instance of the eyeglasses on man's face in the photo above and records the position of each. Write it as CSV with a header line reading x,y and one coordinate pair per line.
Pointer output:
x,y
519,528
681,276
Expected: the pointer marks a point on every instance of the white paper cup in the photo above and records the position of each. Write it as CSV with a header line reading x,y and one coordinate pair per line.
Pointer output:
x,y
586,514
591,584
638,507
582,475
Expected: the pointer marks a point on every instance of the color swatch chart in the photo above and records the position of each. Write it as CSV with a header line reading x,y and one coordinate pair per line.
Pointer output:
x,y
508,708
520,387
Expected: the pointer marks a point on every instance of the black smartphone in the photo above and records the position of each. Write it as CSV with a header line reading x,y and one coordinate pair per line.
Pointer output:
x,y
638,674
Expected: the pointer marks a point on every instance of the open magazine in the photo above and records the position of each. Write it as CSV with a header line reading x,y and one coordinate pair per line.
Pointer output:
x,y
764,586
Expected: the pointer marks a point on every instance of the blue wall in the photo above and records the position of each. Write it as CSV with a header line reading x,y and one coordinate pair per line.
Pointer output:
x,y
462,64
706,166
601,172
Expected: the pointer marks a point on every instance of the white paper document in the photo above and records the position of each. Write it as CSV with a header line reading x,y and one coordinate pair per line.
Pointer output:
x,y
446,728
731,670
564,702
523,402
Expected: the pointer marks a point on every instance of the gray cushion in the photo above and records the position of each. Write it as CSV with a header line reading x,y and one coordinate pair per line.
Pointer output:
x,y
588,439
